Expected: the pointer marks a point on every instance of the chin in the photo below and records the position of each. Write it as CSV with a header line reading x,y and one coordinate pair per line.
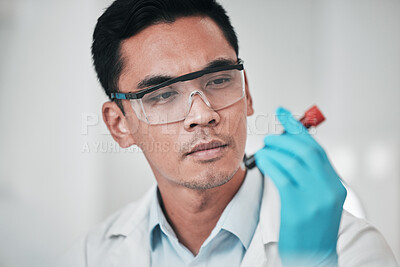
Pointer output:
x,y
210,179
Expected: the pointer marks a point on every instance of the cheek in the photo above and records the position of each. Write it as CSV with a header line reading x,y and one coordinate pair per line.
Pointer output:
x,y
157,145
234,122
238,128
241,135
160,147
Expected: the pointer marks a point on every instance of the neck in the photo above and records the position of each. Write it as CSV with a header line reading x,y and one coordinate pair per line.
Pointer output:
x,y
193,214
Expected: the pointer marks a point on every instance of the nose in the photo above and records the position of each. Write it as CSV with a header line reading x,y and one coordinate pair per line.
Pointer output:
x,y
200,113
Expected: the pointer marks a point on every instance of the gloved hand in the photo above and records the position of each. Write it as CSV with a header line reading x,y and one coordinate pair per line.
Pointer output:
x,y
311,193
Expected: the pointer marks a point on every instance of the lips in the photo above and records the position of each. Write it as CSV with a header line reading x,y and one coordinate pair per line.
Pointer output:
x,y
207,146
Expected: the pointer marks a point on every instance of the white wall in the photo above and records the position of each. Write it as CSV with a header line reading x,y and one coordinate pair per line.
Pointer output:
x,y
49,191
60,172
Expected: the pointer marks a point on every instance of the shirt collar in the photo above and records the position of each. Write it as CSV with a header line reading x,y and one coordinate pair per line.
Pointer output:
x,y
158,219
240,217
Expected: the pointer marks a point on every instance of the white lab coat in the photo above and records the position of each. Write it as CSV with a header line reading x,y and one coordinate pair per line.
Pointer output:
x,y
123,239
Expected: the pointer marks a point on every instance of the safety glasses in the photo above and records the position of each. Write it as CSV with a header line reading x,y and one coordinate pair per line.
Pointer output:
x,y
171,100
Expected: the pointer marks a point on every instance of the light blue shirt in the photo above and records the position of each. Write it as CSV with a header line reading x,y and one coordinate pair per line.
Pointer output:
x,y
228,241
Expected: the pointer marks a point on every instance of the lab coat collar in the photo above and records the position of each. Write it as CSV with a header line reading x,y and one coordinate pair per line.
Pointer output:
x,y
267,232
132,225
269,220
270,212
135,216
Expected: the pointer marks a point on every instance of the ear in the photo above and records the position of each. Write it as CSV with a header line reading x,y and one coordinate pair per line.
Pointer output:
x,y
117,124
250,110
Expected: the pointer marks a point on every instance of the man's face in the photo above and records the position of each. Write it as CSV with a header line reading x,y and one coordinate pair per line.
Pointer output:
x,y
205,149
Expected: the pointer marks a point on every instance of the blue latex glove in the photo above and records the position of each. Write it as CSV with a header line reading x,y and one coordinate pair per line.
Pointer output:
x,y
311,193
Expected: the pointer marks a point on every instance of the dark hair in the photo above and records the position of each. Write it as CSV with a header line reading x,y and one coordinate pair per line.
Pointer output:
x,y
125,18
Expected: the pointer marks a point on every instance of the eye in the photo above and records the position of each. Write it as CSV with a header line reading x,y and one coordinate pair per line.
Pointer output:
x,y
165,95
162,97
219,82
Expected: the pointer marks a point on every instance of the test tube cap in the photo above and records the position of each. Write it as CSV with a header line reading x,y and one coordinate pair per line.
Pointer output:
x,y
312,117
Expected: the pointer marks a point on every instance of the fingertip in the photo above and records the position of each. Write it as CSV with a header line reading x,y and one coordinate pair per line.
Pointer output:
x,y
289,122
281,110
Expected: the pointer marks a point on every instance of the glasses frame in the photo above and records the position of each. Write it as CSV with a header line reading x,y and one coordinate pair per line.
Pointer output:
x,y
187,77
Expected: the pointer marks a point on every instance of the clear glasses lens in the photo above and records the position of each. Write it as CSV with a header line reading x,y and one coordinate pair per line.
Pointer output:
x,y
171,103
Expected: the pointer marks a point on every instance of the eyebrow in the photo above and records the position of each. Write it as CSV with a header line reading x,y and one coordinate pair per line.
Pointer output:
x,y
153,80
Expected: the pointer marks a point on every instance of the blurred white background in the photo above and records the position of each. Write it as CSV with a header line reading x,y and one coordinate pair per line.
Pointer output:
x,y
61,173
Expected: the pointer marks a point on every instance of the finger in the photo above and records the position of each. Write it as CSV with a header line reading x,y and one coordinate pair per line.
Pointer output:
x,y
292,167
289,123
269,167
307,153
